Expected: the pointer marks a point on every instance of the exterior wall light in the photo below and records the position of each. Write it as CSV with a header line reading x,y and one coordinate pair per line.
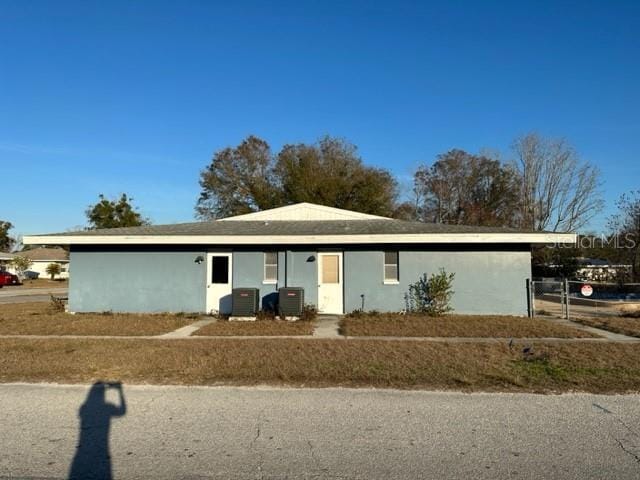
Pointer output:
x,y
199,259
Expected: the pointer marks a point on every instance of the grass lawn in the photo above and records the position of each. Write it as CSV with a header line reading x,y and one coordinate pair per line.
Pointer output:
x,y
39,319
393,325
626,326
259,327
601,368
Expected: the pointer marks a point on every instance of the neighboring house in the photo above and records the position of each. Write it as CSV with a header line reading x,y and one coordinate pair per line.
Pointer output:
x,y
42,257
599,270
344,261
5,259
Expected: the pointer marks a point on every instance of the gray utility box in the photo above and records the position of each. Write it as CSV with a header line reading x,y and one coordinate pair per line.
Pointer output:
x,y
245,302
291,301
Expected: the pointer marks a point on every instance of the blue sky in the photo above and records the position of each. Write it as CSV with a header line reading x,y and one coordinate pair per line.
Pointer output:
x,y
135,96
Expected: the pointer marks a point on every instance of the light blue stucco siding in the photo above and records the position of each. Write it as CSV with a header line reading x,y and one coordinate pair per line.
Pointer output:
x,y
295,269
486,282
137,281
168,279
302,271
248,272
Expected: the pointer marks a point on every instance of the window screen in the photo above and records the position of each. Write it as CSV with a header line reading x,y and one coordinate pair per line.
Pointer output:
x,y
219,269
330,269
391,267
271,267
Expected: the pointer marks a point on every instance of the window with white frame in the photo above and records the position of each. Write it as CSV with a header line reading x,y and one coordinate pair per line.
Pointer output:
x,y
270,267
391,267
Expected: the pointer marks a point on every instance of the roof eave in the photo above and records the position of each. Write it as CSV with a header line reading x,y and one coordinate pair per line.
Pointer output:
x,y
542,238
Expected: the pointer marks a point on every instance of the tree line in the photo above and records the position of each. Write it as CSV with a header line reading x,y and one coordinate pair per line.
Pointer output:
x,y
543,186
546,186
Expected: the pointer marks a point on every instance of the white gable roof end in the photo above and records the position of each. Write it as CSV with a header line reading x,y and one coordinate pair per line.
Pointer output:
x,y
303,211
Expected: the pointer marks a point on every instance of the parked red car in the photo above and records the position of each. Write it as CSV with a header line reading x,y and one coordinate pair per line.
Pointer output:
x,y
7,278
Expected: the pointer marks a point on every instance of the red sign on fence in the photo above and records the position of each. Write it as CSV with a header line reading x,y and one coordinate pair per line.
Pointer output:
x,y
586,290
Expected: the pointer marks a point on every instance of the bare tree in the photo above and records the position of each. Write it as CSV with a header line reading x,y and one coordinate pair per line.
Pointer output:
x,y
559,191
238,180
462,188
626,224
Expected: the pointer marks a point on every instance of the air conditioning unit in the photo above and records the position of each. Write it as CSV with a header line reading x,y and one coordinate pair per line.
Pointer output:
x,y
245,302
291,301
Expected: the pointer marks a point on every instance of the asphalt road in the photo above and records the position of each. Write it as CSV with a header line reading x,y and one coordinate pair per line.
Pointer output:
x,y
23,295
222,432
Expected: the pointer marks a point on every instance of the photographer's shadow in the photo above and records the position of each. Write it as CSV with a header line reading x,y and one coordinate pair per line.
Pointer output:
x,y
93,459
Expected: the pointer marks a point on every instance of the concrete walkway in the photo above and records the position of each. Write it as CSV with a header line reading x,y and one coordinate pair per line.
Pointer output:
x,y
185,332
327,326
618,337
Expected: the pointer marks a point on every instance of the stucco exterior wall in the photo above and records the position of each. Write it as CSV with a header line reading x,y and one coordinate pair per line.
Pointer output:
x,y
302,267
166,280
295,269
248,272
486,282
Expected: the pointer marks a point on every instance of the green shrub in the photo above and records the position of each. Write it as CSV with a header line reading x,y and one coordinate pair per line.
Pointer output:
x,y
431,295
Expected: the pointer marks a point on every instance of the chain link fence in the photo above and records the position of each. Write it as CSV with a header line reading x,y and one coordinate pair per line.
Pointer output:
x,y
574,299
547,297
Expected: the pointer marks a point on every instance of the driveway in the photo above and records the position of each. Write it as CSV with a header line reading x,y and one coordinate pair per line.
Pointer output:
x,y
24,295
198,433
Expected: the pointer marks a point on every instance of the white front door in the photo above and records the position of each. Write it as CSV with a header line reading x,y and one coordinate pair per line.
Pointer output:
x,y
330,282
219,283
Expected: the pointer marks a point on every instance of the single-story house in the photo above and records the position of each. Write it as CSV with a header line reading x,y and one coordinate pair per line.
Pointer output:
x,y
42,257
344,260
5,260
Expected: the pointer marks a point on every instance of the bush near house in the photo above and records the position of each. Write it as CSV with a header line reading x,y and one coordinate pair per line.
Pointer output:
x,y
431,295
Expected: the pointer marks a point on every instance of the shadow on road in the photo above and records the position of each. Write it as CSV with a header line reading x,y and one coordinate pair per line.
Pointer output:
x,y
92,459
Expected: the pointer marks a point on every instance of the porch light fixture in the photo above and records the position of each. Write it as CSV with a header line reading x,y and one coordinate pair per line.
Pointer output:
x,y
199,259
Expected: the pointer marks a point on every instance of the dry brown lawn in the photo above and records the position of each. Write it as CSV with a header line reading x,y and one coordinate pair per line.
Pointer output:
x,y
623,325
601,367
395,325
42,283
39,319
259,327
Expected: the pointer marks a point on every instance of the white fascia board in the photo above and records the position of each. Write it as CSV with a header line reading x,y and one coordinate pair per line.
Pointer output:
x,y
534,238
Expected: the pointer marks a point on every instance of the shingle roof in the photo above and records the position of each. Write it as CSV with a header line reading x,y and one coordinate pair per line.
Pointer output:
x,y
291,227
42,254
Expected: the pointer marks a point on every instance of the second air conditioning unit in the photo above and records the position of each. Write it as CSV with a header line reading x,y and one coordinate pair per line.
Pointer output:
x,y
290,301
